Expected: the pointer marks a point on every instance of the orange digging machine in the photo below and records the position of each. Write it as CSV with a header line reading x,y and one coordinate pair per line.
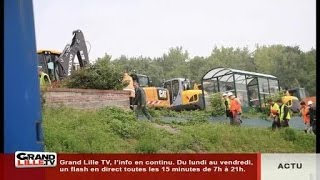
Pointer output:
x,y
156,97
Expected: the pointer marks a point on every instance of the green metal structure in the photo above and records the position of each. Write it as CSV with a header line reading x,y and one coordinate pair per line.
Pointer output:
x,y
250,87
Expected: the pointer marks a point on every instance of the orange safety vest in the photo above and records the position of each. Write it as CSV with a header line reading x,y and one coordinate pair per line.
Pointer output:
x,y
305,116
235,106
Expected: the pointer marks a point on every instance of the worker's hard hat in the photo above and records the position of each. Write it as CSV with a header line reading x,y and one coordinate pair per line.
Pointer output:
x,y
224,94
230,94
310,102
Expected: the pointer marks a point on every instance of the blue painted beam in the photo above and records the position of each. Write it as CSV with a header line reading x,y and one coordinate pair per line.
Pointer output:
x,y
22,108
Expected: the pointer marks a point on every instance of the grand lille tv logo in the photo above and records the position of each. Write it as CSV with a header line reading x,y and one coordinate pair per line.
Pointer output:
x,y
28,159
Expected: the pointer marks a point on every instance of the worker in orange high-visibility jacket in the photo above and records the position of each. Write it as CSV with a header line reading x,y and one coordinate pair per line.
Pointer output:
x,y
304,113
235,107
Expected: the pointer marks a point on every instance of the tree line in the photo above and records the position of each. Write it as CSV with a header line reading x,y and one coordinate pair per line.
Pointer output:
x,y
292,66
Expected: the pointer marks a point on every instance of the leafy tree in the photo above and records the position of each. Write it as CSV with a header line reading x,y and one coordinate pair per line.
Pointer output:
x,y
231,58
174,63
267,58
293,67
197,68
307,67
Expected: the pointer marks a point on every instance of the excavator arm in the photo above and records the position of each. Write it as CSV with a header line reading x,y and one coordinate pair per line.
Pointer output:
x,y
78,47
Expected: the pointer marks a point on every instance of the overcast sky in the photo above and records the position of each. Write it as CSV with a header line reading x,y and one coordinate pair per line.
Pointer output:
x,y
151,27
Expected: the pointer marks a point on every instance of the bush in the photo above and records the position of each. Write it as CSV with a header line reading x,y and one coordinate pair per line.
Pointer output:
x,y
217,104
101,75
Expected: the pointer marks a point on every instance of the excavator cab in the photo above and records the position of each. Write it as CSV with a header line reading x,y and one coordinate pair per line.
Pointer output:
x,y
47,59
182,97
143,80
297,92
156,97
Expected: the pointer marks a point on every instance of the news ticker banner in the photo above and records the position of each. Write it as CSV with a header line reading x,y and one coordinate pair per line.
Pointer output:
x,y
51,166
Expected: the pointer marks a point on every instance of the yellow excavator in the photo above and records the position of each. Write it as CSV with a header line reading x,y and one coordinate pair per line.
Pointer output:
x,y
292,102
156,97
182,97
175,93
293,97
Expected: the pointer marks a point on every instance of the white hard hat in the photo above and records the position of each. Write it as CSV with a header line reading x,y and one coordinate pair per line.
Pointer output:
x,y
310,102
230,93
224,94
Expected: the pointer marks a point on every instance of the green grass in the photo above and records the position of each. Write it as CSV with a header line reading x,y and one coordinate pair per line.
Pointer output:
x,y
113,130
